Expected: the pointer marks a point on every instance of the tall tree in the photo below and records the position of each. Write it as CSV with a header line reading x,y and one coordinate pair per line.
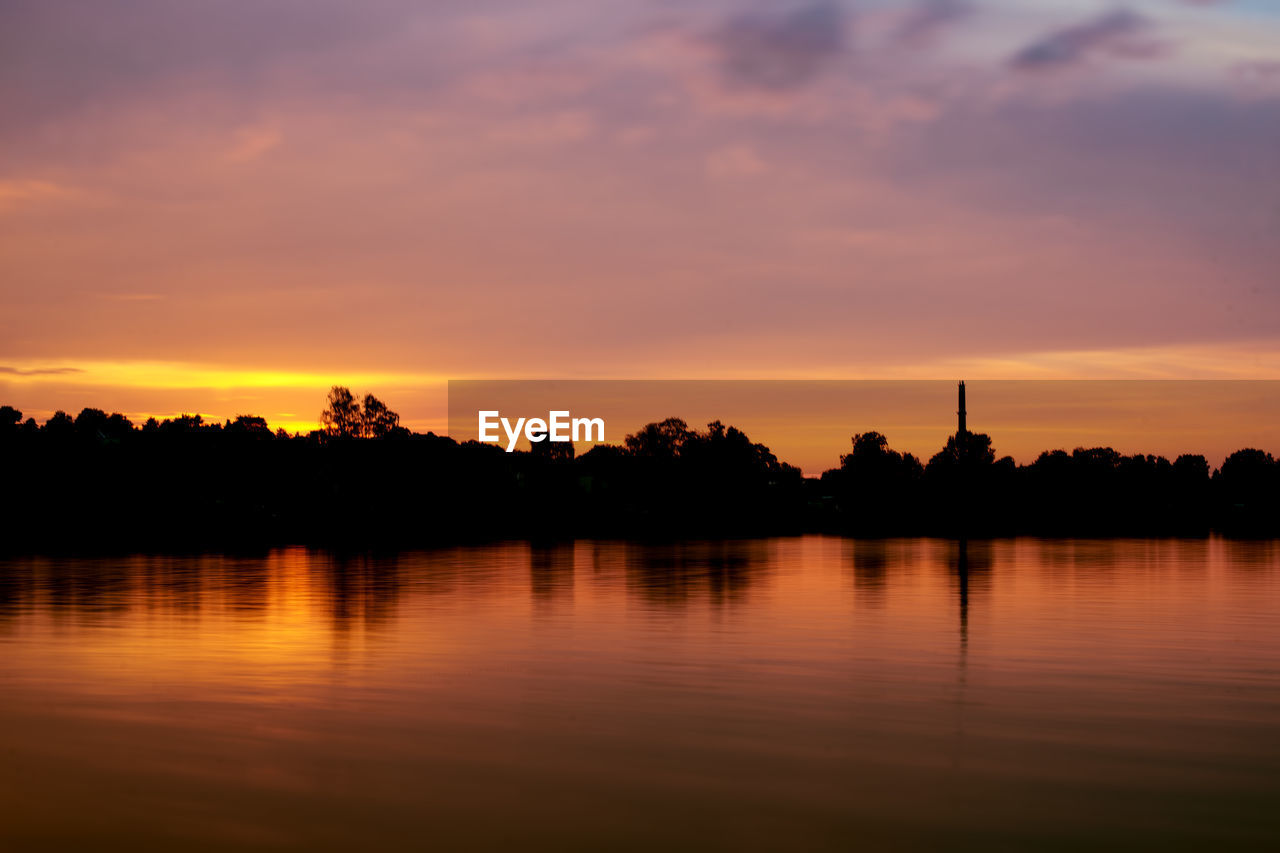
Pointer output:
x,y
663,439
342,418
377,421
9,418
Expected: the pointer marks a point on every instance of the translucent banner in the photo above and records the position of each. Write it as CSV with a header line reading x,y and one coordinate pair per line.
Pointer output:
x,y
809,423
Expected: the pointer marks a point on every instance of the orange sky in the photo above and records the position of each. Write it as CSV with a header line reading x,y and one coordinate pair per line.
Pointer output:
x,y
809,423
227,208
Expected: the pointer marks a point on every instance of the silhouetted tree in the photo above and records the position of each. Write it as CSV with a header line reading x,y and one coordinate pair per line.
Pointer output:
x,y
97,477
1191,468
663,439
182,424
118,426
1095,459
96,424
875,487
342,417
59,424
673,478
607,453
376,420
1248,470
871,461
91,422
1249,487
961,481
249,425
555,451
9,418
726,448
964,451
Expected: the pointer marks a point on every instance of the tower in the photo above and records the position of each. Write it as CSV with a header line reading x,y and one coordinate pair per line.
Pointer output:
x,y
963,429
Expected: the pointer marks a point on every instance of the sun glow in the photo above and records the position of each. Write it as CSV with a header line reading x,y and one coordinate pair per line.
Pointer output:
x,y
176,374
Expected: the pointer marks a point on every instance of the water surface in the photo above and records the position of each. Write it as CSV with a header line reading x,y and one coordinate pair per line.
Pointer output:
x,y
801,693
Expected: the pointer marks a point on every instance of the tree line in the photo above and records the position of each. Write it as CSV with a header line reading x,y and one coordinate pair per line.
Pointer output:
x,y
343,417
98,480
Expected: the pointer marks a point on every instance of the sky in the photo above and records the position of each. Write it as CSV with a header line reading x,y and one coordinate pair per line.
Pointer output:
x,y
227,207
810,423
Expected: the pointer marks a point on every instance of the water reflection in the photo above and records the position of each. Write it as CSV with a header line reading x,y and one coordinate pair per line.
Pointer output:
x,y
812,693
359,589
970,563
16,594
244,584
346,590
672,575
551,570
85,589
870,559
1251,555
175,584
351,588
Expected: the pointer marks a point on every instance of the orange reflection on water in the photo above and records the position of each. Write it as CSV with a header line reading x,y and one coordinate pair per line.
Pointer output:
x,y
807,691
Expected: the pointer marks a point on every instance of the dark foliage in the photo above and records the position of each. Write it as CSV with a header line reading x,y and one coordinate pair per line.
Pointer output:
x,y
97,480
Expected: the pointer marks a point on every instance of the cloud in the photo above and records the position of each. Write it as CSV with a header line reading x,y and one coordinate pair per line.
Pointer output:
x,y
133,297
14,193
922,23
781,52
251,143
555,128
735,161
1257,79
54,59
957,205
156,375
1261,69
38,371
1117,33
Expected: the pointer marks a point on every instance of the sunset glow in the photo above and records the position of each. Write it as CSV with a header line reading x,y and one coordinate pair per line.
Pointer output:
x,y
647,425
388,195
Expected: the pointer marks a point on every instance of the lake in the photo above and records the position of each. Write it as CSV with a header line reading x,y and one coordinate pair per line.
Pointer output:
x,y
796,693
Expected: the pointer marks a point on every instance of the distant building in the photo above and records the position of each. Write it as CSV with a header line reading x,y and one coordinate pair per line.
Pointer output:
x,y
963,429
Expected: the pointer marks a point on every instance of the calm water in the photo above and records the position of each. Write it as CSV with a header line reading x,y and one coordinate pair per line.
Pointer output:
x,y
809,693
